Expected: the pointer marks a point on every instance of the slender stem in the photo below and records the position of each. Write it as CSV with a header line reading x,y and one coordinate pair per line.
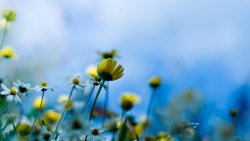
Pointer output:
x,y
96,97
38,111
57,126
89,97
106,102
59,122
4,34
2,130
71,92
151,100
123,114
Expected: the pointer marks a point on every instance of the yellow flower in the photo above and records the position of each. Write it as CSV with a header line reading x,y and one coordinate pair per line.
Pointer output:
x,y
109,71
163,136
155,81
92,71
137,130
37,103
52,116
7,52
23,128
63,98
109,54
128,100
9,14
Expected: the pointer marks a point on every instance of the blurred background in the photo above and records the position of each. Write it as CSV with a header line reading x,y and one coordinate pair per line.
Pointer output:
x,y
202,45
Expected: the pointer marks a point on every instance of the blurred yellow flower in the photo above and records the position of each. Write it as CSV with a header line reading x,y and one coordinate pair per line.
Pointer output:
x,y
155,81
9,14
137,130
108,54
7,52
37,103
63,98
128,100
163,136
109,71
52,116
23,128
68,105
92,71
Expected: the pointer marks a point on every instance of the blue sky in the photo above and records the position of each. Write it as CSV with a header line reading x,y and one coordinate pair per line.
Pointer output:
x,y
191,44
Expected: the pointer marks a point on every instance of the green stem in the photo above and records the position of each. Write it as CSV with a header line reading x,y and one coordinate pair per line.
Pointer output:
x,y
57,126
151,100
123,114
61,118
38,111
4,34
71,92
87,101
96,97
106,102
2,130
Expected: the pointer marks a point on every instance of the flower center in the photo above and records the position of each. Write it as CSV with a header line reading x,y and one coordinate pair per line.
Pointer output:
x,y
75,81
76,125
44,84
22,89
13,92
95,132
46,136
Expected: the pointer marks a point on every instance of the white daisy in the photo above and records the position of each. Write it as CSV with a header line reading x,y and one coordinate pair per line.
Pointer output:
x,y
43,87
11,94
23,88
96,134
76,81
9,122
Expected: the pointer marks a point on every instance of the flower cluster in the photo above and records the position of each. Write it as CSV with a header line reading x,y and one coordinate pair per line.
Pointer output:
x,y
79,114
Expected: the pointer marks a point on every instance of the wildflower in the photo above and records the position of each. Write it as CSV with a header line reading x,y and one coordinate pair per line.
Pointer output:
x,y
108,71
43,87
109,54
163,136
137,131
75,127
23,128
11,94
92,72
23,88
96,134
155,82
76,80
9,15
128,100
7,52
38,104
7,122
52,116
